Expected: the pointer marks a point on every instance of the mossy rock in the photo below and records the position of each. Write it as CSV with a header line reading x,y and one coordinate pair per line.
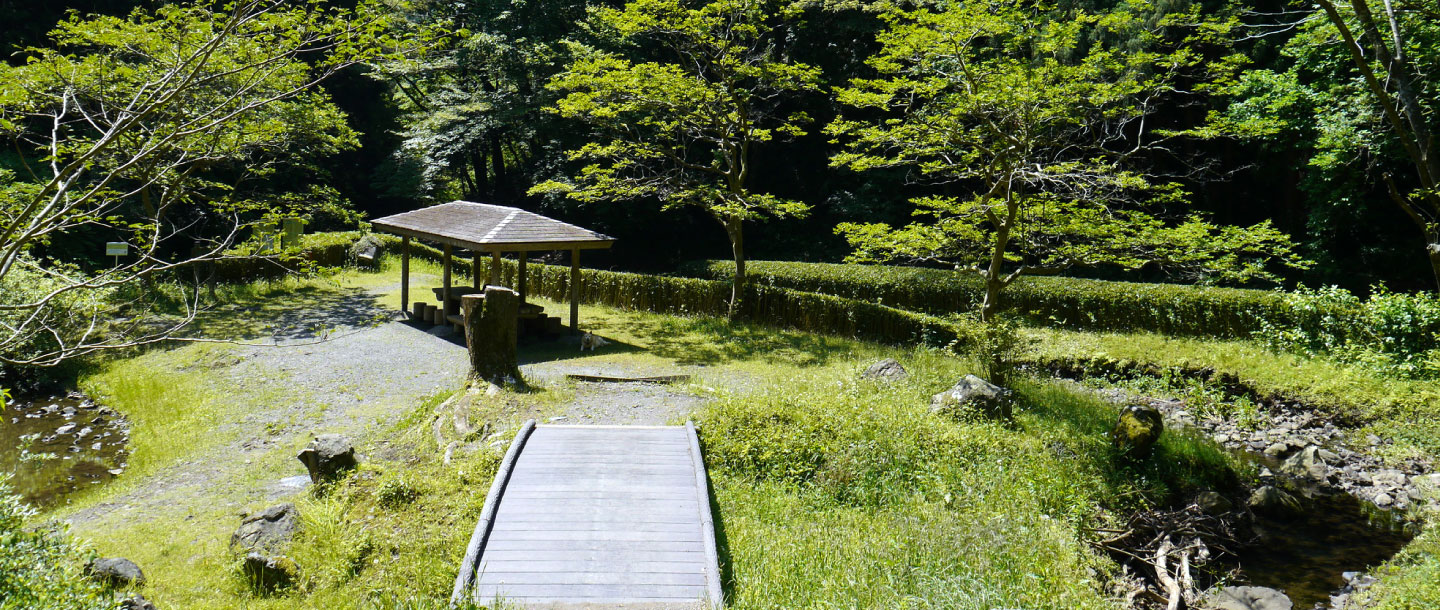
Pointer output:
x,y
1137,430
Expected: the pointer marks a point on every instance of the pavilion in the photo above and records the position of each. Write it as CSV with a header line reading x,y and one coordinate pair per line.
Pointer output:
x,y
482,228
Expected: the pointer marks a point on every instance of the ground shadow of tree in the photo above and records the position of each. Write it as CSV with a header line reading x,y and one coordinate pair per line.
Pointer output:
x,y
305,313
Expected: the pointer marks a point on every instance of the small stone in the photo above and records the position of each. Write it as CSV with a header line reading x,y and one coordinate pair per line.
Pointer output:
x,y
328,456
65,429
1328,456
269,573
1275,450
885,370
117,571
1272,500
1222,438
270,530
1213,503
137,602
1307,463
971,391
1383,500
1247,598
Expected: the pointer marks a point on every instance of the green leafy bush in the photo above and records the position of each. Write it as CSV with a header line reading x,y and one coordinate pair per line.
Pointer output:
x,y
1389,332
40,567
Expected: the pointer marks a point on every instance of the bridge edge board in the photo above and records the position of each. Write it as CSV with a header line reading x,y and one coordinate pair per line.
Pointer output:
x,y
465,580
707,520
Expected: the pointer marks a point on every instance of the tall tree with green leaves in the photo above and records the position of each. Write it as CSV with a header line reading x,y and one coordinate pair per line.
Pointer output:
x,y
152,130
1393,47
682,125
1037,124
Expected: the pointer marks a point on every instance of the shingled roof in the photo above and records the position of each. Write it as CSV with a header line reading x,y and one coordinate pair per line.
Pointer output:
x,y
491,228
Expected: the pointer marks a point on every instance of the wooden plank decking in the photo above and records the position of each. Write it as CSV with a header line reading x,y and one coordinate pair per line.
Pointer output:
x,y
596,516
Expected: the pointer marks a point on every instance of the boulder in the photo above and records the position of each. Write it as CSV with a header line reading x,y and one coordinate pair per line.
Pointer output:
x,y
137,602
1306,464
117,571
888,369
327,457
972,393
1137,429
1213,503
269,531
267,573
1246,598
1272,500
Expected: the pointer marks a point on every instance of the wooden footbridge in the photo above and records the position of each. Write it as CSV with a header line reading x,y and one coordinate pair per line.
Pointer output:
x,y
596,517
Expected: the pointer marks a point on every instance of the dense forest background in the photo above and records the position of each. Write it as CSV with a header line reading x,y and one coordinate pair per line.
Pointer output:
x,y
467,120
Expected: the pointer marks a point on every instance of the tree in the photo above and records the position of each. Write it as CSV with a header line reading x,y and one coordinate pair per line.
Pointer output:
x,y
1398,73
1039,125
473,121
683,128
152,130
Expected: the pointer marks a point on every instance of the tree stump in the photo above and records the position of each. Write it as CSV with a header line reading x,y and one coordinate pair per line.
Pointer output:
x,y
490,333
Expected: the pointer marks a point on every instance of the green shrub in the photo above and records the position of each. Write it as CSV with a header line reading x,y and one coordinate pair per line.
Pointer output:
x,y
40,567
395,492
1062,302
1389,332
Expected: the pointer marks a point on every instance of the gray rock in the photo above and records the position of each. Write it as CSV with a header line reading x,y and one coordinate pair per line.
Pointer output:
x,y
138,602
117,571
885,370
1272,500
1383,500
1213,503
1306,464
327,457
1247,598
268,531
267,573
972,393
1136,430
1276,449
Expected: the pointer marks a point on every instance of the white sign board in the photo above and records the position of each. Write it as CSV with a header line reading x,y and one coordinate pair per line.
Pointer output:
x,y
116,248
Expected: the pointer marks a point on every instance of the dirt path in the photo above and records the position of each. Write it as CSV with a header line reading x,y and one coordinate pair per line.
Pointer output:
x,y
346,366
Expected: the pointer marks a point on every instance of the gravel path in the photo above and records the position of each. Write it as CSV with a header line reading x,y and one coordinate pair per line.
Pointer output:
x,y
344,365
351,378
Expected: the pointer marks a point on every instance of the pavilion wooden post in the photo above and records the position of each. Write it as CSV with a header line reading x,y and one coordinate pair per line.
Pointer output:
x,y
445,292
575,291
520,280
495,268
404,274
475,268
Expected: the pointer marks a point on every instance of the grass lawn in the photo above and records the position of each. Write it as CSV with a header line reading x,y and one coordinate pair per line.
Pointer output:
x,y
831,491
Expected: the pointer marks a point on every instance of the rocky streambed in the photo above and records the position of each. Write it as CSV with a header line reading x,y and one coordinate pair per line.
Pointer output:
x,y
55,445
1323,508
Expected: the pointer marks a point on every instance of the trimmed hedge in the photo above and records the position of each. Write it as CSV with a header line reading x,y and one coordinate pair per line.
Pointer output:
x,y
768,305
1064,302
324,249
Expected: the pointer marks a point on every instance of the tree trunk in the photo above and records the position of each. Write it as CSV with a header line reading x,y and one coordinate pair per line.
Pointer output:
x,y
736,231
490,334
995,274
1433,249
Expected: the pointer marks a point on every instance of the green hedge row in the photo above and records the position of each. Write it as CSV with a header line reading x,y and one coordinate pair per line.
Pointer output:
x,y
323,249
1065,302
769,305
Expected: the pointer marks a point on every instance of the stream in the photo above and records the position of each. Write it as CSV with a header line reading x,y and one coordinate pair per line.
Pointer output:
x,y
53,446
1308,554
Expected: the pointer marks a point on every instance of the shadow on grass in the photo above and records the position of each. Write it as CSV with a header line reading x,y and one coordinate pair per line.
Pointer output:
x,y
305,312
711,341
1180,463
535,350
